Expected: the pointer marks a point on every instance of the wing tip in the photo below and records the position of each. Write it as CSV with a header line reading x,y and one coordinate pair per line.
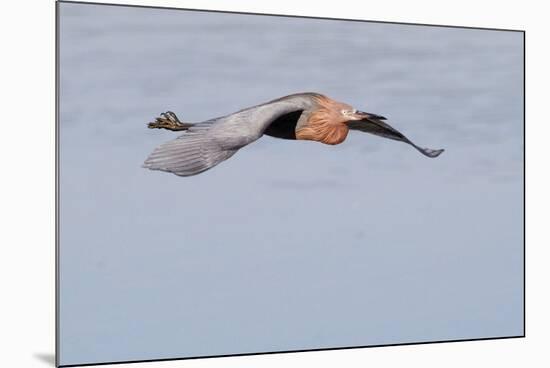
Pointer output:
x,y
433,153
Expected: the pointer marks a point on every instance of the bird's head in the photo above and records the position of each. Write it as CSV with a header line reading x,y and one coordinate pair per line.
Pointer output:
x,y
330,121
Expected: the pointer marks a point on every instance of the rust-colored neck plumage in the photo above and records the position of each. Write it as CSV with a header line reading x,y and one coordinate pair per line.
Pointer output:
x,y
325,124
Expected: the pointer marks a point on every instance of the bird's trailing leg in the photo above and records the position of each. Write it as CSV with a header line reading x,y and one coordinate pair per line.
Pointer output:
x,y
169,120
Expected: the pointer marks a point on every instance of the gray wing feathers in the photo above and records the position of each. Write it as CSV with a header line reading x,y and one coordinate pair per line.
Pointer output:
x,y
189,154
206,144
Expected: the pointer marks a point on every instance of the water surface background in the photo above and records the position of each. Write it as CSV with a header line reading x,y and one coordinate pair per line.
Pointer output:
x,y
288,245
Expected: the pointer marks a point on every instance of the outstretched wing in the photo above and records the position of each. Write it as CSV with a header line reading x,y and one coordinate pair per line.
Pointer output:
x,y
206,144
193,152
382,129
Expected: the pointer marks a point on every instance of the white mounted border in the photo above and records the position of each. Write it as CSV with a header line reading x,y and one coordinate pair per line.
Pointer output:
x,y
27,195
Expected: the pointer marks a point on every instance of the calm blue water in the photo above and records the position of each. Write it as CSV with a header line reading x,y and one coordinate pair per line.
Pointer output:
x,y
287,245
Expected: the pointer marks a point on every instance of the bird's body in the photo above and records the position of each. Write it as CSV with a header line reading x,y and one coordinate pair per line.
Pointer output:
x,y
301,116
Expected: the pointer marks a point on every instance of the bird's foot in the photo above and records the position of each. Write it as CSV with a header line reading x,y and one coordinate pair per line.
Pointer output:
x,y
168,120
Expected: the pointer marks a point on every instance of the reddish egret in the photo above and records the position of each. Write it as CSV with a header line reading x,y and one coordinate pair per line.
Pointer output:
x,y
301,116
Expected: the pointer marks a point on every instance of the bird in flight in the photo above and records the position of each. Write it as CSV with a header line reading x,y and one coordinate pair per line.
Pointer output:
x,y
300,116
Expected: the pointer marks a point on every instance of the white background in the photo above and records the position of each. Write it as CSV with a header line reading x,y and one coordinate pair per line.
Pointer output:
x,y
27,185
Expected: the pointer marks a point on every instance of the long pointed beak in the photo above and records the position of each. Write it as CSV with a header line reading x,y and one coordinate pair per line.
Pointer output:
x,y
368,115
